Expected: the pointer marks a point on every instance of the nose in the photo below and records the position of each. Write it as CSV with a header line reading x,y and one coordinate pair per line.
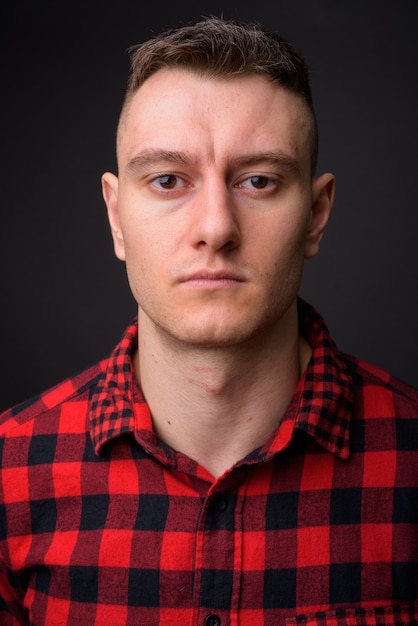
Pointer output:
x,y
214,218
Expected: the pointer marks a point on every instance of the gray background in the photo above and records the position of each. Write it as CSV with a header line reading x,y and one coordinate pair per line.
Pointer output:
x,y
64,297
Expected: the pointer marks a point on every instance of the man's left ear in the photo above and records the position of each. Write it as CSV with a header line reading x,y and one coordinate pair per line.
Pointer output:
x,y
323,189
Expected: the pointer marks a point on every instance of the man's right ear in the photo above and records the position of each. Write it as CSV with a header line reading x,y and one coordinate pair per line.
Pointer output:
x,y
110,187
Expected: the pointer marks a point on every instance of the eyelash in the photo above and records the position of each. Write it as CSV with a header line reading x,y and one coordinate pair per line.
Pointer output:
x,y
267,181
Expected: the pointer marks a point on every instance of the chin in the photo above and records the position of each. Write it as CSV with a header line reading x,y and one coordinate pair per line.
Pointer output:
x,y
217,327
210,339
220,335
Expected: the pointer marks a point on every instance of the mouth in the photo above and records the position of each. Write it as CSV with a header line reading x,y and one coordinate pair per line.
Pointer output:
x,y
205,279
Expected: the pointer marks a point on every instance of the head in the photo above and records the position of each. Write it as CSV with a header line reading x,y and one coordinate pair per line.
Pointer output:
x,y
219,48
215,206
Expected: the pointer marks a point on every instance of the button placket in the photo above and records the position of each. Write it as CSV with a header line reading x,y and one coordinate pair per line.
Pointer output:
x,y
215,580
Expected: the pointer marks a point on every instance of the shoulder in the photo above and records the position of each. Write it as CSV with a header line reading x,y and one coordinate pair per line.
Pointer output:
x,y
380,392
76,389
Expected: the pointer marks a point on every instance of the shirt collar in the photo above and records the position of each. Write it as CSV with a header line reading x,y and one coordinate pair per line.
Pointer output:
x,y
323,400
321,405
112,413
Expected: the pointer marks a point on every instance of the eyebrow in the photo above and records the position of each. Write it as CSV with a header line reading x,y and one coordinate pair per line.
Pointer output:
x,y
277,159
151,157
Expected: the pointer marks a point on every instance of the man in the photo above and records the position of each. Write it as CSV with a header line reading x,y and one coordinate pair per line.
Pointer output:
x,y
227,464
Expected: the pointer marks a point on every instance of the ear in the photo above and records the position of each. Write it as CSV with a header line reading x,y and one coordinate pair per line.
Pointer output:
x,y
323,189
110,188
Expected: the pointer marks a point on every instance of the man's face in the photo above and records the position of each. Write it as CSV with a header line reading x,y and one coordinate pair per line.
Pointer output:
x,y
214,209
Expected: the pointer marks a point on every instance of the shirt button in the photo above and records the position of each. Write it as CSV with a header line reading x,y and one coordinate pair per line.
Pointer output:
x,y
212,620
220,505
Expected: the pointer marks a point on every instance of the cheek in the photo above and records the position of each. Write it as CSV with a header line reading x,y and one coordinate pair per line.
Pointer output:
x,y
146,261
139,264
282,244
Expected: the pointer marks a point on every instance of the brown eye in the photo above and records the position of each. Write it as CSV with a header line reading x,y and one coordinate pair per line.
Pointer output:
x,y
259,182
168,181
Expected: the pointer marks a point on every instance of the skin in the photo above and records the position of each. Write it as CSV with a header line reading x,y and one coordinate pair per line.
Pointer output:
x,y
214,212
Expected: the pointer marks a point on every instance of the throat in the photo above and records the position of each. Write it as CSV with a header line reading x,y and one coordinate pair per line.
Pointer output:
x,y
216,405
217,415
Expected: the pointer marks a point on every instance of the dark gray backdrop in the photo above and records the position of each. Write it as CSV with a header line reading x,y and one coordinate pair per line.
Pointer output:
x,y
64,297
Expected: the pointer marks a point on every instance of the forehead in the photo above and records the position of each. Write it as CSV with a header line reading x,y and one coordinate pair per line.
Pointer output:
x,y
178,110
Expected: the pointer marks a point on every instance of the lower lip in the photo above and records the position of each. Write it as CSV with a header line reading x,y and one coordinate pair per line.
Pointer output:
x,y
212,283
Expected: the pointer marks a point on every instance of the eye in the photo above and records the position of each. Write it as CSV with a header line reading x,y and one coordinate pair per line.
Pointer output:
x,y
167,181
258,181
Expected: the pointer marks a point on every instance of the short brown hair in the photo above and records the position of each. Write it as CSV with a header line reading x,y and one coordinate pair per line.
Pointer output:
x,y
216,47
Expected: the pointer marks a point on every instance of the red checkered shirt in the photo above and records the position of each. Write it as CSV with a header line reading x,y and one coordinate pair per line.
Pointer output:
x,y
103,524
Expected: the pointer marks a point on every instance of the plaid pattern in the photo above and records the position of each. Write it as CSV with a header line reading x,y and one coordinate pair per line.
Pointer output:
x,y
103,524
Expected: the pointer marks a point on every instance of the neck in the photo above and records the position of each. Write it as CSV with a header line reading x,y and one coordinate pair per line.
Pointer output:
x,y
216,405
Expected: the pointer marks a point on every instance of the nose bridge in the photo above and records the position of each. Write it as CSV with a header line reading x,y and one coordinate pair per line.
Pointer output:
x,y
215,219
